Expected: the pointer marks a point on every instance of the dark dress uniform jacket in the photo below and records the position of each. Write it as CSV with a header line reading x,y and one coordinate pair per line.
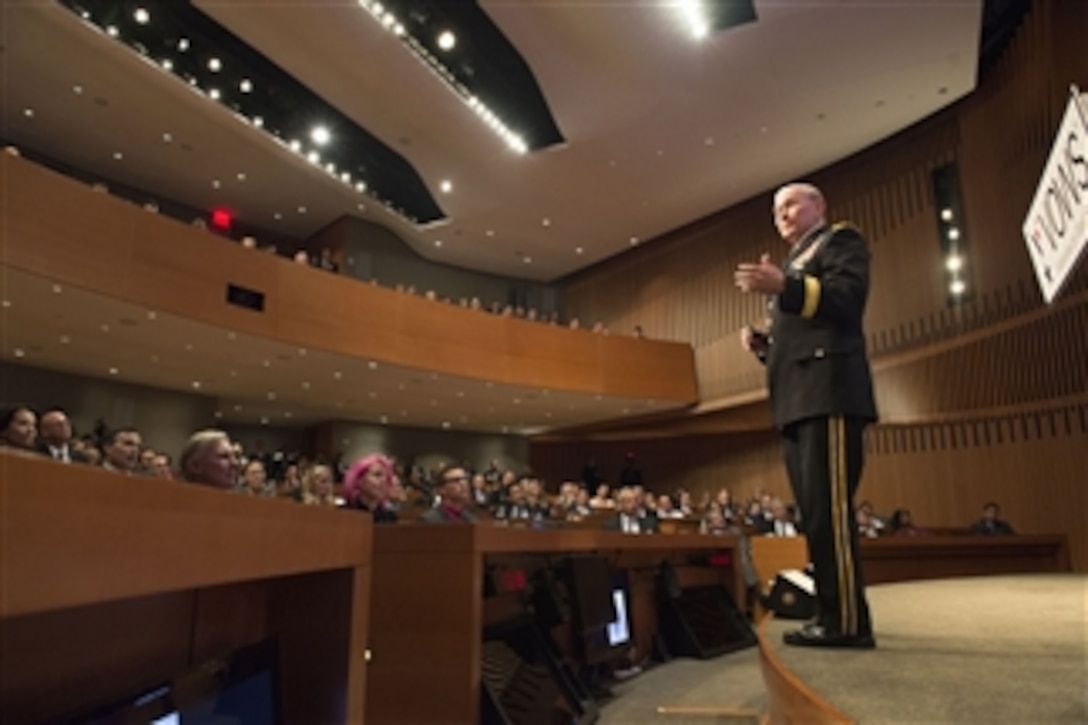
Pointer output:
x,y
816,359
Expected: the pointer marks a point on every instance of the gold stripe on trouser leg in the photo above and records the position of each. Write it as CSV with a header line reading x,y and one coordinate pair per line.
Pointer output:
x,y
836,521
850,603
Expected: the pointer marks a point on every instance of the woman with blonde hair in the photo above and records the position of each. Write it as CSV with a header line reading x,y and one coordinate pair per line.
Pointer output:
x,y
317,487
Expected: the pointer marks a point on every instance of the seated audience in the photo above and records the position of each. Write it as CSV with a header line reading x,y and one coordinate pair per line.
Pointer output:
x,y
876,521
454,498
255,481
627,519
55,437
991,524
121,451
208,459
665,509
781,524
866,528
19,429
603,498
370,485
160,467
318,488
902,524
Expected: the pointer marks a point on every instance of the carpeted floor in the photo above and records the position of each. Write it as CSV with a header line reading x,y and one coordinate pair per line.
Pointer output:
x,y
1002,649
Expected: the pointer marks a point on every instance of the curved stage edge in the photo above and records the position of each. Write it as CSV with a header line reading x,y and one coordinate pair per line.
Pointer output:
x,y
999,648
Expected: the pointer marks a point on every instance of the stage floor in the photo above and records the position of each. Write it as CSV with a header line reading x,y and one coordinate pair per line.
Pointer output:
x,y
995,649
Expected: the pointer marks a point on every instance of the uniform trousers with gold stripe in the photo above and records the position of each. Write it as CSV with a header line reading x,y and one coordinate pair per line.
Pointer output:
x,y
824,458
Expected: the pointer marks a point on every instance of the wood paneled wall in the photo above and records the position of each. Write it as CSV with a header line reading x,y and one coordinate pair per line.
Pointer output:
x,y
164,265
982,399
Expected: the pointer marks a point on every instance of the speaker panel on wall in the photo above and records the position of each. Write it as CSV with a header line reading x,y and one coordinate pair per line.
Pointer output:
x,y
703,622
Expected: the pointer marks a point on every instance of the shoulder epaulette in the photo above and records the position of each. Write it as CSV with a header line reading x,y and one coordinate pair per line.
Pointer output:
x,y
839,226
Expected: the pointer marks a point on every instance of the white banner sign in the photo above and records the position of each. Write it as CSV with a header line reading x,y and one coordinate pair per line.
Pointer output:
x,y
1056,228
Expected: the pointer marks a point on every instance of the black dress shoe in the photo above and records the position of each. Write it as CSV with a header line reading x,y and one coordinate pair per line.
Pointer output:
x,y
813,635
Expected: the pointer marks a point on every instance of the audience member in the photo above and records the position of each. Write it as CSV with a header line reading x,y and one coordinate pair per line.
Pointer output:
x,y
781,523
318,488
55,437
208,459
455,499
19,428
122,450
160,467
255,480
991,524
902,524
370,485
627,518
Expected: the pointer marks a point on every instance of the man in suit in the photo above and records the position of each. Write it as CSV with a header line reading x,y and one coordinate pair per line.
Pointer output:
x,y
455,498
55,437
627,518
821,396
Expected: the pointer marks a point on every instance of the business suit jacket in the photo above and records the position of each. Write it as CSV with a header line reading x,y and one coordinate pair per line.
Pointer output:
x,y
816,359
74,456
646,524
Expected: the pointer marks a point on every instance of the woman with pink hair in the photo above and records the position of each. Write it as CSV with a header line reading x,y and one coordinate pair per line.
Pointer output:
x,y
372,485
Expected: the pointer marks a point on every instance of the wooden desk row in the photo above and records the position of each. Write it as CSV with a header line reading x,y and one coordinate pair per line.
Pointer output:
x,y
107,581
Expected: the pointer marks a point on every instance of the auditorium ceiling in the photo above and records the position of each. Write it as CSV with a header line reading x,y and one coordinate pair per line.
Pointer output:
x,y
658,129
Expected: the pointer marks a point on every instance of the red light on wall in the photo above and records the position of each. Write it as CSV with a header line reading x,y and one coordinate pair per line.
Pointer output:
x,y
221,219
720,560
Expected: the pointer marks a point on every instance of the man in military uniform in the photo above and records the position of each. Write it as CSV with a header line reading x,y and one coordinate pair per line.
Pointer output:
x,y
821,397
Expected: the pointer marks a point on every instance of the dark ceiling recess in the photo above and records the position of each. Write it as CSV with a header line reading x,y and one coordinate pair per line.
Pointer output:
x,y
726,14
1000,20
484,61
184,41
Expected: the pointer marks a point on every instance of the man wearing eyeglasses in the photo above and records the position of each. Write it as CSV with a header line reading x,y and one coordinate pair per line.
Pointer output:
x,y
455,499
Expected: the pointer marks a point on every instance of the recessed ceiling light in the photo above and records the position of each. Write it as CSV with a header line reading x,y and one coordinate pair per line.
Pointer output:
x,y
114,371
267,363
305,384
958,287
264,420
18,352
258,121
216,184
578,250
64,339
77,89
57,289
338,375
320,135
141,16
360,186
196,385
302,210
660,152
634,241
218,414
954,263
117,155
111,30
362,207
313,157
447,40
446,186
215,65
763,129
295,145
372,365
446,424
183,44
241,176
233,373
271,395
237,409
527,260
167,137
245,85
438,242
28,112
490,232
546,222
6,304
213,93
151,314
709,141
105,328
277,216
953,234
188,347
372,395
946,214
384,420
286,414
